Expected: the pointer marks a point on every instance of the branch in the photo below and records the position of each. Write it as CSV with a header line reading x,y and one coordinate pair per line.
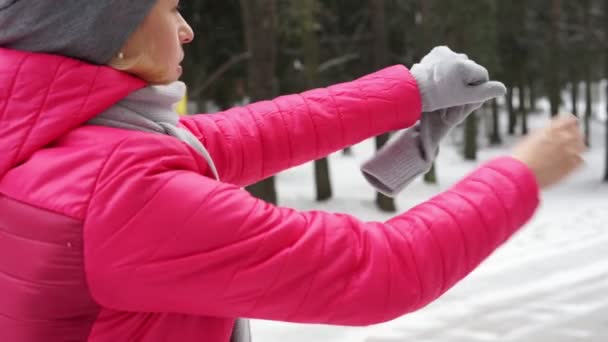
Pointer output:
x,y
337,61
217,74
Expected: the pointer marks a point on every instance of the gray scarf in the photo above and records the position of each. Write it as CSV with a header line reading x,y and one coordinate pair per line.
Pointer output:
x,y
152,109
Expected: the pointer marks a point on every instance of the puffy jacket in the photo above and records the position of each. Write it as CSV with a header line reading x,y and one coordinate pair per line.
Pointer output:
x,y
116,235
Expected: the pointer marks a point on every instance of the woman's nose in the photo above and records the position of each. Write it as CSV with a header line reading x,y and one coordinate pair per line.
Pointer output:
x,y
186,35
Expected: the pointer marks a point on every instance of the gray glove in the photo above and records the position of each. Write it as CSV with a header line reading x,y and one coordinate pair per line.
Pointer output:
x,y
447,79
412,153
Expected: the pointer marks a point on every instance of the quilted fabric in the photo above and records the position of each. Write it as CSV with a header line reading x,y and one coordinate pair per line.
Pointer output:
x,y
114,235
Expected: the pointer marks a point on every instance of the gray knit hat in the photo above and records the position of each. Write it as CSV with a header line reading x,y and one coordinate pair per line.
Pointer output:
x,y
90,30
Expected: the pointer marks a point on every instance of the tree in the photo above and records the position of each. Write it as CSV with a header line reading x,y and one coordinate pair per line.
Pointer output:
x,y
522,13
532,92
573,19
587,64
509,26
470,137
495,138
425,43
523,111
310,38
477,38
260,25
553,75
605,5
380,60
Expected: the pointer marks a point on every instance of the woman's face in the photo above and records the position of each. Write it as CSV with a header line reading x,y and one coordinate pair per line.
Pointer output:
x,y
161,36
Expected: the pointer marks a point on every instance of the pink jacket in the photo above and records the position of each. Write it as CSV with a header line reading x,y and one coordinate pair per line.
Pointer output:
x,y
115,235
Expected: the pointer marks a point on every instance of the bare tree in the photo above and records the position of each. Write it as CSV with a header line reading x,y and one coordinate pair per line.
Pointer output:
x,y
587,58
495,138
260,25
426,29
553,71
381,59
310,39
606,72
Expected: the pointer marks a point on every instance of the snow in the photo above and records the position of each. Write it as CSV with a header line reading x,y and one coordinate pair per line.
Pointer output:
x,y
547,284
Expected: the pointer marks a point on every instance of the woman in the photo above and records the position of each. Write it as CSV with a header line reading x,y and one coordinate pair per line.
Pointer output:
x,y
121,222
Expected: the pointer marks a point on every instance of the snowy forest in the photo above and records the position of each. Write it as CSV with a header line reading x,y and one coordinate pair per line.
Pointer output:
x,y
549,282
552,55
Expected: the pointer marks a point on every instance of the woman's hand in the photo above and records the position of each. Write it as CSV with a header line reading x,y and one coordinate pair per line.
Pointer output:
x,y
554,152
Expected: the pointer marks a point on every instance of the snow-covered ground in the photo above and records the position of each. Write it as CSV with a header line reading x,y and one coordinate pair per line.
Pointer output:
x,y
549,283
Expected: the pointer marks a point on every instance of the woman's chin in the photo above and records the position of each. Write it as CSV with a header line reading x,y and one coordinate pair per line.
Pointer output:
x,y
165,75
167,78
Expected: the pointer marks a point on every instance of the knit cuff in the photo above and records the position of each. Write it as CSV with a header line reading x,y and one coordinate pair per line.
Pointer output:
x,y
397,164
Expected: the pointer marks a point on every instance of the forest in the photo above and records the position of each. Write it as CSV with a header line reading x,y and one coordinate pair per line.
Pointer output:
x,y
551,54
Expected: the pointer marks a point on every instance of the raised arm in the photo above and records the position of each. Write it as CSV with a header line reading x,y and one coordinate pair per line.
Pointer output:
x,y
254,142
176,241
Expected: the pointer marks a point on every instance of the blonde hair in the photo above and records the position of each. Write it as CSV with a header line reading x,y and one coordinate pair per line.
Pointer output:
x,y
136,57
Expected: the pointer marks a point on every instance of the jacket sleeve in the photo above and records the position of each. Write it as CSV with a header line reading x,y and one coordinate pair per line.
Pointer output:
x,y
257,141
162,238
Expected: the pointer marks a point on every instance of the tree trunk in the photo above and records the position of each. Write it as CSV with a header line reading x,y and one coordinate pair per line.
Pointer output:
x,y
495,138
260,25
431,176
588,105
310,44
511,111
588,80
523,112
605,8
470,138
532,97
606,130
554,59
574,94
381,59
322,179
426,41
606,133
606,75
